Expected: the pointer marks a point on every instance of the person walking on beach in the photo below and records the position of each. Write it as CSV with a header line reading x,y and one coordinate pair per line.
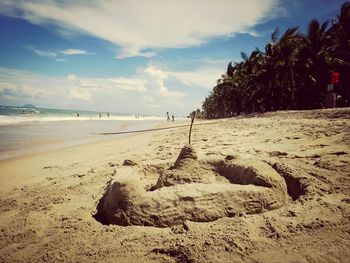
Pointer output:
x,y
107,114
172,118
78,114
99,114
168,118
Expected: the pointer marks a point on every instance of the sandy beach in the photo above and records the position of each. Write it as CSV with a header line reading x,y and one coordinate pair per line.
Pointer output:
x,y
48,201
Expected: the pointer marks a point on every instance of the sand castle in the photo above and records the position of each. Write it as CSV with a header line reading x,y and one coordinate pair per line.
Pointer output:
x,y
194,190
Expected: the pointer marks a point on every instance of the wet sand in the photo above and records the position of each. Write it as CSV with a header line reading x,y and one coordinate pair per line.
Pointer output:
x,y
48,200
18,139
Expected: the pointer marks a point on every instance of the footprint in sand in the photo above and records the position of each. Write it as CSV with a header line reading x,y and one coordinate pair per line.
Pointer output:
x,y
51,167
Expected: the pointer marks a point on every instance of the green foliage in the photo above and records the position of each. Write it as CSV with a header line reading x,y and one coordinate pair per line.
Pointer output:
x,y
291,73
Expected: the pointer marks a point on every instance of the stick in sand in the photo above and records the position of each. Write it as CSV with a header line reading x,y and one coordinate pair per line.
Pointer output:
x,y
192,119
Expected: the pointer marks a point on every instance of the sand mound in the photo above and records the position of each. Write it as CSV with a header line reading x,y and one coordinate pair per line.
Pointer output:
x,y
193,190
187,169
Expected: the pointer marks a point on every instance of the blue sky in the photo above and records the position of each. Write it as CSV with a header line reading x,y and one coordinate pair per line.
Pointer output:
x,y
145,57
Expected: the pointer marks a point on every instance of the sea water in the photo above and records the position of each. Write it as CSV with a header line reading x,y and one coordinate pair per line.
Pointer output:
x,y
25,130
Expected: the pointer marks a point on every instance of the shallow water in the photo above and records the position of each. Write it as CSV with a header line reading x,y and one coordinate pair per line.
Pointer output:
x,y
32,137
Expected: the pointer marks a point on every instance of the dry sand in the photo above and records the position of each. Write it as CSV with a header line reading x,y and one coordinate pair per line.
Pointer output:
x,y
48,200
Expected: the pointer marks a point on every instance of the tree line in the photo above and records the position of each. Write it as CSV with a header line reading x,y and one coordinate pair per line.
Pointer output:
x,y
292,72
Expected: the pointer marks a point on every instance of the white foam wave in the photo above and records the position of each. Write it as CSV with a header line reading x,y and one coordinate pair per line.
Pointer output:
x,y
11,120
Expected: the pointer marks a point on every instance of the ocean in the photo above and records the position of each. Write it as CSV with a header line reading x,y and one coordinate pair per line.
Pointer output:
x,y
26,130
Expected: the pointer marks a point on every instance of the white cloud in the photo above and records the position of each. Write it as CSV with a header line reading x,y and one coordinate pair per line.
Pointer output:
x,y
148,99
254,33
61,60
151,90
73,52
80,94
137,26
11,91
126,84
133,51
71,77
17,85
203,77
157,79
55,54
42,53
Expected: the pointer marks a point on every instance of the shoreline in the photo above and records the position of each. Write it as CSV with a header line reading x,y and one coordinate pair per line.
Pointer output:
x,y
36,144
72,153
48,200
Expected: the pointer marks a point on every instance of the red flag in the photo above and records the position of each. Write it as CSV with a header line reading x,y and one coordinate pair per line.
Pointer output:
x,y
335,77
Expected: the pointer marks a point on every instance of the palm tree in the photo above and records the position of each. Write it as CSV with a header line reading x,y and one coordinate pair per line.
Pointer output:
x,y
312,64
285,52
340,34
292,72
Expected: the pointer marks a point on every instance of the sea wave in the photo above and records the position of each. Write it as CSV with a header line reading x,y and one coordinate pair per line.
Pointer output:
x,y
12,120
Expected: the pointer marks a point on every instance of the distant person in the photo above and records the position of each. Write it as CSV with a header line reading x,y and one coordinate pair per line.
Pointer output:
x,y
167,117
99,114
108,114
172,118
78,114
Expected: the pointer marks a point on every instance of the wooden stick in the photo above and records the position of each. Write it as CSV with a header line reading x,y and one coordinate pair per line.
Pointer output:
x,y
192,120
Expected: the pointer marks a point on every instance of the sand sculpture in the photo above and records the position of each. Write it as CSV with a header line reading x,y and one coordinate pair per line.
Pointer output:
x,y
192,190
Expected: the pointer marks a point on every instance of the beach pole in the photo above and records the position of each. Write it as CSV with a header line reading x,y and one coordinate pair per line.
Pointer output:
x,y
192,120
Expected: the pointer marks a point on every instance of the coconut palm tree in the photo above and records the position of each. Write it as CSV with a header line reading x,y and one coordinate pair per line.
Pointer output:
x,y
292,72
312,66
340,34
